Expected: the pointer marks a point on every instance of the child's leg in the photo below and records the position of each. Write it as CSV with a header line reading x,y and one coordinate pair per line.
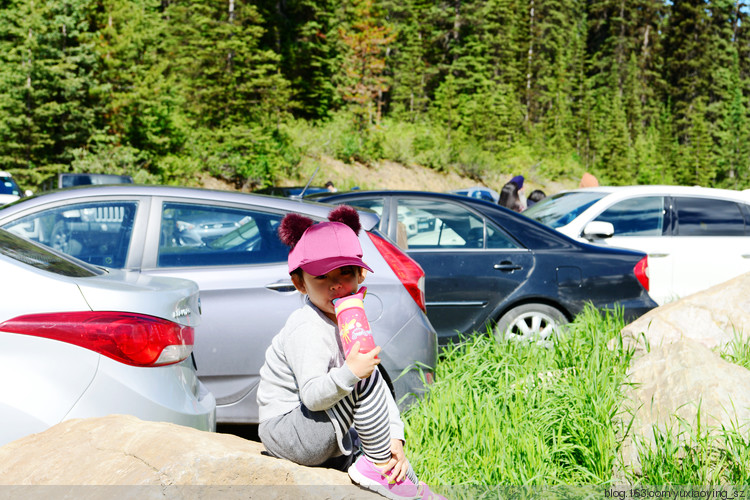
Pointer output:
x,y
303,436
366,408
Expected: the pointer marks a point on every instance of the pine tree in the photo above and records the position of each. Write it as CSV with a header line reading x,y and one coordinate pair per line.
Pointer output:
x,y
556,35
367,39
685,44
216,57
616,161
725,111
742,94
142,109
303,34
623,49
235,95
46,101
408,96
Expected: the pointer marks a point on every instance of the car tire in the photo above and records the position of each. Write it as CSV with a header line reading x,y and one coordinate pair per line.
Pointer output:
x,y
530,322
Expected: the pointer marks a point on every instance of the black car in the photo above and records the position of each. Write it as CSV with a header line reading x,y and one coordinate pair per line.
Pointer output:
x,y
486,265
292,191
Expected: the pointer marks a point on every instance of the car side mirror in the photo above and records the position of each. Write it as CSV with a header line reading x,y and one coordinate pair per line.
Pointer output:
x,y
28,192
598,230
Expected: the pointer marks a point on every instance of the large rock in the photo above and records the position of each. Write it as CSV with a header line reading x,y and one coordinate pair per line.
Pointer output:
x,y
671,384
123,450
677,371
710,317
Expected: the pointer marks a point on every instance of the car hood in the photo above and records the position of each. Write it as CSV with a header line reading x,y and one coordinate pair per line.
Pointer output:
x,y
169,298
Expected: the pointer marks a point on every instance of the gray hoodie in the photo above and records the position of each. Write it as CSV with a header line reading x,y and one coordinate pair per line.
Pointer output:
x,y
305,363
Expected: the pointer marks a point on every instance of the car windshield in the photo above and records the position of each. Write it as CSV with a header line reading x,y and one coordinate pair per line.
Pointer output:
x,y
560,209
9,186
31,254
71,180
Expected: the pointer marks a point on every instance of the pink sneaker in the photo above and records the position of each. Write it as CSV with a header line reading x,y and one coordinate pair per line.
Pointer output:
x,y
367,475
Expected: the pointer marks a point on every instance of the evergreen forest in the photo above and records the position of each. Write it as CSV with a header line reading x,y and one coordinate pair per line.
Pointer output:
x,y
634,91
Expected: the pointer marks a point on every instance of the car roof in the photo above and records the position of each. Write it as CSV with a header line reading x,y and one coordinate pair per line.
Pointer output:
x,y
665,189
388,192
311,208
524,227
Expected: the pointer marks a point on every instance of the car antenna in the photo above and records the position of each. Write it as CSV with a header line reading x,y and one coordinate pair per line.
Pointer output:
x,y
302,193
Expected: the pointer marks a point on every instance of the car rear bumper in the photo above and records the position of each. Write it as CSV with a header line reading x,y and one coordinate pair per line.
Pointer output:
x,y
410,358
170,393
634,309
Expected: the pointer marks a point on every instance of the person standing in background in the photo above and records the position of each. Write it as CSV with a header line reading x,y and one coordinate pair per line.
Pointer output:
x,y
518,181
535,196
509,197
588,180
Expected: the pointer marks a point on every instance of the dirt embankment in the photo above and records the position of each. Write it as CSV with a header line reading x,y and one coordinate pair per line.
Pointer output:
x,y
392,175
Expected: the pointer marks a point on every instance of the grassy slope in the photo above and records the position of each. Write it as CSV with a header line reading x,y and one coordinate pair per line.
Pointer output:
x,y
516,414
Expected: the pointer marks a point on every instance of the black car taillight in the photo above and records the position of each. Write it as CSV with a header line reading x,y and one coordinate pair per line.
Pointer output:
x,y
132,339
408,271
641,272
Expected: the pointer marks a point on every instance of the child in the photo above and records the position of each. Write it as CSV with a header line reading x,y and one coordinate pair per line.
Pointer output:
x,y
309,395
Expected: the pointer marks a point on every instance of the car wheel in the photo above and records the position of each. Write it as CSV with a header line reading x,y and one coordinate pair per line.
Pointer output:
x,y
530,322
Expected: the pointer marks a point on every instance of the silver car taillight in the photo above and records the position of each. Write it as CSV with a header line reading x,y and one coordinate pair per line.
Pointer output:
x,y
133,339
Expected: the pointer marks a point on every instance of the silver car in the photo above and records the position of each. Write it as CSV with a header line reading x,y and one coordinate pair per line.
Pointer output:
x,y
227,243
80,341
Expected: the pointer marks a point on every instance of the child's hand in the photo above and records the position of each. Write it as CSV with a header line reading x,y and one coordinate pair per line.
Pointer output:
x,y
362,364
398,465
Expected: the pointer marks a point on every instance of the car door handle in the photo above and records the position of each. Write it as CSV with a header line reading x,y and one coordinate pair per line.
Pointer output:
x,y
658,255
282,286
508,266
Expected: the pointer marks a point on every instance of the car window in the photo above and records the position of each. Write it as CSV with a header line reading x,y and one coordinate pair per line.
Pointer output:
x,y
374,204
446,225
95,232
560,209
24,251
497,239
9,186
708,217
642,216
212,235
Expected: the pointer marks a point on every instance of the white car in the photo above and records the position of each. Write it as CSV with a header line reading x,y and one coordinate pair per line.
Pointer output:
x,y
695,237
80,341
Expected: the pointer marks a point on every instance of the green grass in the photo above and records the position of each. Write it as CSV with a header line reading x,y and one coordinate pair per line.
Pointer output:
x,y
516,414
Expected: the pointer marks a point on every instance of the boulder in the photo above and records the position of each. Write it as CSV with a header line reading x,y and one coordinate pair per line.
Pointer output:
x,y
124,450
670,385
676,371
711,317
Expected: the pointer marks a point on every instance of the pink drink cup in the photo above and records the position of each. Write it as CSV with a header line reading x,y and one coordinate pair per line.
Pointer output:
x,y
353,324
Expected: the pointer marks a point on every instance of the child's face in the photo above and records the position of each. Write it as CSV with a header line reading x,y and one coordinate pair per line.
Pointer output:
x,y
333,285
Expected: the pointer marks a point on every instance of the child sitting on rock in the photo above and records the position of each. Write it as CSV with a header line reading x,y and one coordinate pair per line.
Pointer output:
x,y
314,403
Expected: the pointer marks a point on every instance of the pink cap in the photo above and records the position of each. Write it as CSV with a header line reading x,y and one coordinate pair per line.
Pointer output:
x,y
326,246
